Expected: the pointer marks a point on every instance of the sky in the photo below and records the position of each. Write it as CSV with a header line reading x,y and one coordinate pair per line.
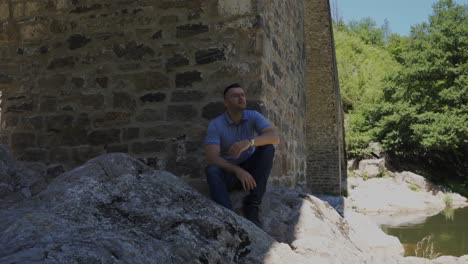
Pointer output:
x,y
401,14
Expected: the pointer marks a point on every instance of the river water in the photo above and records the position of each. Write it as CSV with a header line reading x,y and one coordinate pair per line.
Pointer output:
x,y
444,234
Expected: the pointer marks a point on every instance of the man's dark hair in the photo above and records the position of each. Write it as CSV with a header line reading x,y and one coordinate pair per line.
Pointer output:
x,y
234,85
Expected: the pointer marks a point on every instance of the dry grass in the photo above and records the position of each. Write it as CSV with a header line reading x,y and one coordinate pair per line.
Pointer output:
x,y
425,249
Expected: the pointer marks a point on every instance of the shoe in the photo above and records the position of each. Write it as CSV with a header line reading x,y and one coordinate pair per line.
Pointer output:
x,y
251,214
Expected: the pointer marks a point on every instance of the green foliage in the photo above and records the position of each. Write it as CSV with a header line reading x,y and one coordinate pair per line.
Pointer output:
x,y
424,113
409,93
362,68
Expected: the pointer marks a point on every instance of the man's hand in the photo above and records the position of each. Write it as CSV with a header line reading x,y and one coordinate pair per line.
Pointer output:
x,y
237,148
248,182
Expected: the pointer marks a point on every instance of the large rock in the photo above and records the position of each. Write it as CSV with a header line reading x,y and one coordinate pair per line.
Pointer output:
x,y
371,168
114,210
413,178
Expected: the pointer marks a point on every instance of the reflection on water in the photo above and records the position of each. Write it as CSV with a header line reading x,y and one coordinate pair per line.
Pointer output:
x,y
448,232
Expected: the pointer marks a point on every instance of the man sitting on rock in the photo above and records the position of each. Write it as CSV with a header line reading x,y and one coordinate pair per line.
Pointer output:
x,y
239,153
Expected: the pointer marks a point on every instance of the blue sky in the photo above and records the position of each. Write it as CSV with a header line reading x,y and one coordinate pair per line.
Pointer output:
x,y
401,14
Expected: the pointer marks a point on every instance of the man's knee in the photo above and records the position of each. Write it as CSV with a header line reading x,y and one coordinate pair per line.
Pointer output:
x,y
268,150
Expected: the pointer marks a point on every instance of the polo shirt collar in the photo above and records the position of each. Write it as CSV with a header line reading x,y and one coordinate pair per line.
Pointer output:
x,y
229,120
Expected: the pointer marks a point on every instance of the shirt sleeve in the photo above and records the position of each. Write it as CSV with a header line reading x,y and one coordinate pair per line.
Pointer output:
x,y
260,121
212,135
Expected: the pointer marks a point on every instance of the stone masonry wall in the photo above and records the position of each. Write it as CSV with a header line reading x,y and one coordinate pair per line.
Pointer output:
x,y
283,75
84,77
326,160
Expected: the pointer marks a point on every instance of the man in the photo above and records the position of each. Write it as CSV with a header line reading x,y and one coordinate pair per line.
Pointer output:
x,y
239,153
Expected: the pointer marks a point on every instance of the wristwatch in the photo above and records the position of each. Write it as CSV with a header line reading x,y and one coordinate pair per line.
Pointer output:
x,y
252,142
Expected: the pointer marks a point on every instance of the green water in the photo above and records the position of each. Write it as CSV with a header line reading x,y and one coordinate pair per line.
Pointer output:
x,y
448,232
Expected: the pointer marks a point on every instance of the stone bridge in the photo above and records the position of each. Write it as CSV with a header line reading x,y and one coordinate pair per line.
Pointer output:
x,y
80,78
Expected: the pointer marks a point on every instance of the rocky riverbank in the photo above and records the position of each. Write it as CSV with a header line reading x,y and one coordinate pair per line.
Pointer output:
x,y
374,190
114,209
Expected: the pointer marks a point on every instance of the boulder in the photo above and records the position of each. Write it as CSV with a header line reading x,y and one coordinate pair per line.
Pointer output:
x,y
376,148
114,209
371,168
414,179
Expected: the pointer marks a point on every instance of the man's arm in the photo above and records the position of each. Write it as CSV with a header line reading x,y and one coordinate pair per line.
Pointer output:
x,y
267,136
213,158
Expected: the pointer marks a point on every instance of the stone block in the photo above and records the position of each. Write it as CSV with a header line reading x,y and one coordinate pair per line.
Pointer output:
x,y
130,133
132,51
212,110
165,20
181,4
77,82
149,115
117,148
189,30
177,60
209,55
81,9
74,136
187,96
5,79
4,11
147,81
104,136
234,8
10,121
33,31
162,132
123,101
157,35
20,107
129,67
35,154
58,122
112,119
33,123
148,147
22,140
53,82
102,81
58,27
48,104
92,101
77,41
59,154
65,62
181,112
153,97
187,79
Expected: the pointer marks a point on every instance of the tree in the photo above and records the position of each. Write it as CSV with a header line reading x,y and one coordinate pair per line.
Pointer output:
x,y
423,116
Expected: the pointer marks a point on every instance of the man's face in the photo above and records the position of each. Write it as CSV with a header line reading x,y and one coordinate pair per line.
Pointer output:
x,y
235,99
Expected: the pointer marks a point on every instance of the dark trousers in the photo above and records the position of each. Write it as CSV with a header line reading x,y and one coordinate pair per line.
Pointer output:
x,y
220,182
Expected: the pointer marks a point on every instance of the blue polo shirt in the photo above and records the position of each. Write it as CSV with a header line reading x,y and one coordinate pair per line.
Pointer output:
x,y
224,132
